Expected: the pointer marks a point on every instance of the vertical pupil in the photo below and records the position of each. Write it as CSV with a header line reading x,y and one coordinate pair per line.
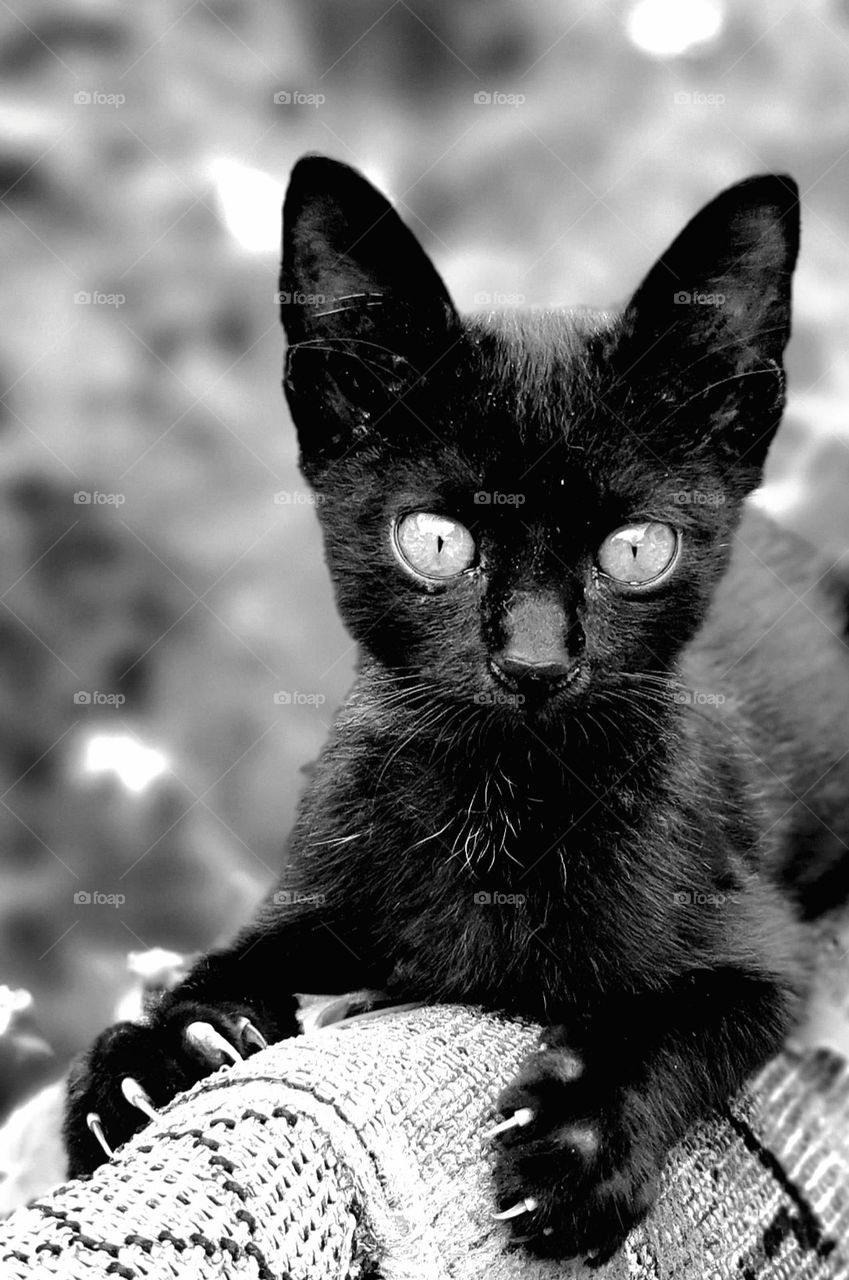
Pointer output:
x,y
440,543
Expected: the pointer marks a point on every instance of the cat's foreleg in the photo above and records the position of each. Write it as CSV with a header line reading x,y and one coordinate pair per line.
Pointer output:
x,y
592,1116
229,1006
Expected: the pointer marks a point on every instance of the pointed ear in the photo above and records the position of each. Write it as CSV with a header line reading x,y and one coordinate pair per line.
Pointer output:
x,y
365,313
710,322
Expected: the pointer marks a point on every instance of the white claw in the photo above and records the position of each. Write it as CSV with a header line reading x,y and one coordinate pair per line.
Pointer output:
x,y
137,1097
93,1122
518,1120
515,1211
204,1037
249,1035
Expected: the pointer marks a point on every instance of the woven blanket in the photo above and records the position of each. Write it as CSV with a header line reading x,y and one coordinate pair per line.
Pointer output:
x,y
357,1152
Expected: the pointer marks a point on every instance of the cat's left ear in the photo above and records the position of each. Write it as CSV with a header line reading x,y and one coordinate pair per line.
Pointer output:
x,y
710,322
366,314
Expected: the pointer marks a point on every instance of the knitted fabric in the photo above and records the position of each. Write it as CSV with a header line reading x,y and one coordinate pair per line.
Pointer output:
x,y
357,1152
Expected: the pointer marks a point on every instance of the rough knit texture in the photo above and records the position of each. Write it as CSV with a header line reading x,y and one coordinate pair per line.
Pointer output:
x,y
357,1152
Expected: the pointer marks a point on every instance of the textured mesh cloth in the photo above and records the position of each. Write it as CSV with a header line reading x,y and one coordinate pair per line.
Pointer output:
x,y
357,1152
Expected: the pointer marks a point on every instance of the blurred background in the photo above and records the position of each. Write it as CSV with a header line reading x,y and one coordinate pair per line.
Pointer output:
x,y
170,652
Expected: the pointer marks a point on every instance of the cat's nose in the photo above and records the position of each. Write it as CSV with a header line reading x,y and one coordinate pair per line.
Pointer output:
x,y
536,650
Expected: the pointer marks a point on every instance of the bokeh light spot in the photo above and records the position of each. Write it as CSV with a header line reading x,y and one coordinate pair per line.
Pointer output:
x,y
132,763
669,28
249,203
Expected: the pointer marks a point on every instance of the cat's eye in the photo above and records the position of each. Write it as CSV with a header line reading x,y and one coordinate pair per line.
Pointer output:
x,y
639,554
433,546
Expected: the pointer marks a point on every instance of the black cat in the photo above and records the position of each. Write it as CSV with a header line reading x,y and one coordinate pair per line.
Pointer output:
x,y
594,766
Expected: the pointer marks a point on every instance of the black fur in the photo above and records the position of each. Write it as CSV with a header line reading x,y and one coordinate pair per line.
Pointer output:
x,y
625,853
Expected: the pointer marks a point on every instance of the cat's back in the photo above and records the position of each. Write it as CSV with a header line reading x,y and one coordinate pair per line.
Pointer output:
x,y
779,618
771,664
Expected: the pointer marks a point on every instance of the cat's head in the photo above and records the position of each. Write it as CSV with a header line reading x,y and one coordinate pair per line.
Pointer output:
x,y
523,510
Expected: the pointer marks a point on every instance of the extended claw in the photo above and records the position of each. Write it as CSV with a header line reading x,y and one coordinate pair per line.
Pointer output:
x,y
93,1122
515,1211
249,1036
137,1097
518,1120
210,1043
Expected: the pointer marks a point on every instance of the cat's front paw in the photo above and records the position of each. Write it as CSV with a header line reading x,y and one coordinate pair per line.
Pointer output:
x,y
576,1162
115,1088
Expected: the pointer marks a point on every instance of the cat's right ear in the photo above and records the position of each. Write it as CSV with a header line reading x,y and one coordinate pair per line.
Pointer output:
x,y
366,314
704,334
